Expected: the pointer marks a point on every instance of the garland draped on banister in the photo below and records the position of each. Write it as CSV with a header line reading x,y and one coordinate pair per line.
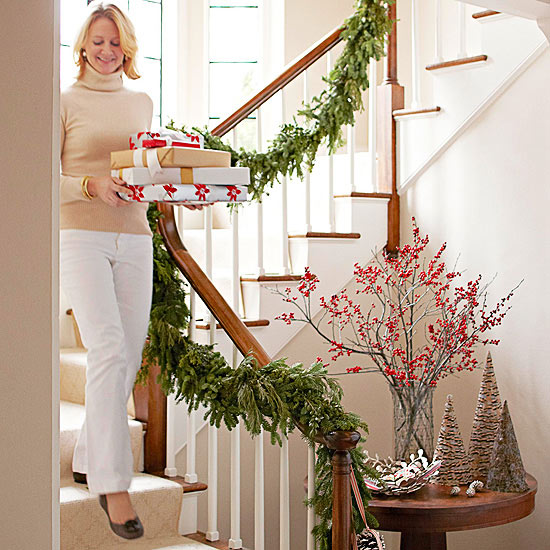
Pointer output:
x,y
276,397
295,146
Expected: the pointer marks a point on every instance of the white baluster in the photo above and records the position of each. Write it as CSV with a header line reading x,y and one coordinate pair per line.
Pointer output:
x,y
372,123
461,31
331,203
171,470
259,207
284,498
235,540
191,474
284,205
208,240
259,501
236,279
191,471
310,494
208,267
307,175
212,532
415,52
351,153
191,329
438,32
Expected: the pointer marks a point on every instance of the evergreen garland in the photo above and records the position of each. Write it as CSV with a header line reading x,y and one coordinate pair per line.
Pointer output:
x,y
295,146
276,398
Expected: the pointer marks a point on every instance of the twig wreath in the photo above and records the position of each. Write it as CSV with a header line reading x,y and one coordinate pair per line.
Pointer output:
x,y
276,398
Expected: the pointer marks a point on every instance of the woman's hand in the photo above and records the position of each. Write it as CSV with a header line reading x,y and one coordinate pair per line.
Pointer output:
x,y
106,188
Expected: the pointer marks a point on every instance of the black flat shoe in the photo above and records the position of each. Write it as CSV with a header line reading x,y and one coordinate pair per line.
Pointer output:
x,y
80,478
132,529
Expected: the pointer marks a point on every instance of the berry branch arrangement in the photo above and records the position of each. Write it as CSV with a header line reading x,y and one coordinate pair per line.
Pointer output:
x,y
409,316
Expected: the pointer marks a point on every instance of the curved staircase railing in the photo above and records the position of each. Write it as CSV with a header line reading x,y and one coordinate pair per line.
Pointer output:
x,y
230,322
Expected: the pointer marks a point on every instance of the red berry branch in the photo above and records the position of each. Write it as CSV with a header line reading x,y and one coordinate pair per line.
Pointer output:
x,y
414,320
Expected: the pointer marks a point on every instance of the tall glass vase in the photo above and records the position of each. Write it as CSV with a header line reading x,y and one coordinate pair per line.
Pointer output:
x,y
413,422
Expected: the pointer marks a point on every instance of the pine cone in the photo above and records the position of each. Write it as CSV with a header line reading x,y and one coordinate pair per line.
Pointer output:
x,y
367,541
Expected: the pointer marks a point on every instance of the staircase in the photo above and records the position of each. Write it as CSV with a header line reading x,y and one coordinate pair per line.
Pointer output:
x,y
157,501
251,254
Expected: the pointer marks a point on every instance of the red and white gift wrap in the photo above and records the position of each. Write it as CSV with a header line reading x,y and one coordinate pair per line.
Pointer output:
x,y
190,193
210,176
165,138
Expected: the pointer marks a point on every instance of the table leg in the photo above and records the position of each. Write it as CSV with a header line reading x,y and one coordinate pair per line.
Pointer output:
x,y
423,541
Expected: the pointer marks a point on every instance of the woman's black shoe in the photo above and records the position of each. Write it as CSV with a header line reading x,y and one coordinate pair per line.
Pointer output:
x,y
132,529
80,478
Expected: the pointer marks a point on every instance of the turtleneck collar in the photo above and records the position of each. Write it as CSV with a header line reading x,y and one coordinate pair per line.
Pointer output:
x,y
101,82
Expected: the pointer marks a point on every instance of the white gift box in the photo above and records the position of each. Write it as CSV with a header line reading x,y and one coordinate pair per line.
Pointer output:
x,y
192,193
208,176
166,138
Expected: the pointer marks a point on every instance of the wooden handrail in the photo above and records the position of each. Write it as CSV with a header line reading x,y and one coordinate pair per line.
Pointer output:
x,y
293,70
340,442
203,286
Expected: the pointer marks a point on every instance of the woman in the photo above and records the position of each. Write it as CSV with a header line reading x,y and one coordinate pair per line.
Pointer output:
x,y
106,253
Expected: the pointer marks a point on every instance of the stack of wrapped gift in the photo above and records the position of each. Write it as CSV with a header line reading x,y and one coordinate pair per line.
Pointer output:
x,y
171,166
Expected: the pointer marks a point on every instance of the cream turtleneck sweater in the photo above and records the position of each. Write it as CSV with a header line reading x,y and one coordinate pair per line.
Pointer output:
x,y
98,114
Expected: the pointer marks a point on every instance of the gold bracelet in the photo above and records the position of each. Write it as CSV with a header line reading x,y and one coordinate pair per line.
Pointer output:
x,y
84,187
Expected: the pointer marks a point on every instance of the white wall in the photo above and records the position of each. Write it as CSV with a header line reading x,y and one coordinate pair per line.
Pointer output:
x,y
29,467
487,197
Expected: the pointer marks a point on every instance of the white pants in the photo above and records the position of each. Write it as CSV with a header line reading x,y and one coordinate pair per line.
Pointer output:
x,y
107,278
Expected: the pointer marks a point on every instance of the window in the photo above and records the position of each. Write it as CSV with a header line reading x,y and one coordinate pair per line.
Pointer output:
x,y
233,55
146,16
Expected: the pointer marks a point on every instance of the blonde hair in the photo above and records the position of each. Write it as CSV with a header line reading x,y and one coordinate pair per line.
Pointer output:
x,y
126,31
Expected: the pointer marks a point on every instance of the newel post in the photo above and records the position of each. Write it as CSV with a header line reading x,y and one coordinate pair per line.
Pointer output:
x,y
151,409
390,97
341,443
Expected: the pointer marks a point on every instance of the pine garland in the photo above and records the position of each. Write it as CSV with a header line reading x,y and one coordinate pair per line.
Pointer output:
x,y
295,147
276,398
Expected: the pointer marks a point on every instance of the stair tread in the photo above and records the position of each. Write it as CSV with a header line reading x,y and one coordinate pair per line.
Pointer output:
x,y
270,278
164,543
201,325
201,538
186,486
71,492
325,235
410,112
84,526
362,195
457,62
485,13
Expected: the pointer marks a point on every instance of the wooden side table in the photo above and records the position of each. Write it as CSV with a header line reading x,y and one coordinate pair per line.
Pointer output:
x,y
423,518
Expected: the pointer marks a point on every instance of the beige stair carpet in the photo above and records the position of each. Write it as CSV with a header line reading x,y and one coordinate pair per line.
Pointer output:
x,y
164,543
71,419
84,524
72,371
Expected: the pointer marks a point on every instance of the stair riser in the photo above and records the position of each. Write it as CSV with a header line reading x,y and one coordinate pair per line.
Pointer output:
x,y
72,372
67,442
